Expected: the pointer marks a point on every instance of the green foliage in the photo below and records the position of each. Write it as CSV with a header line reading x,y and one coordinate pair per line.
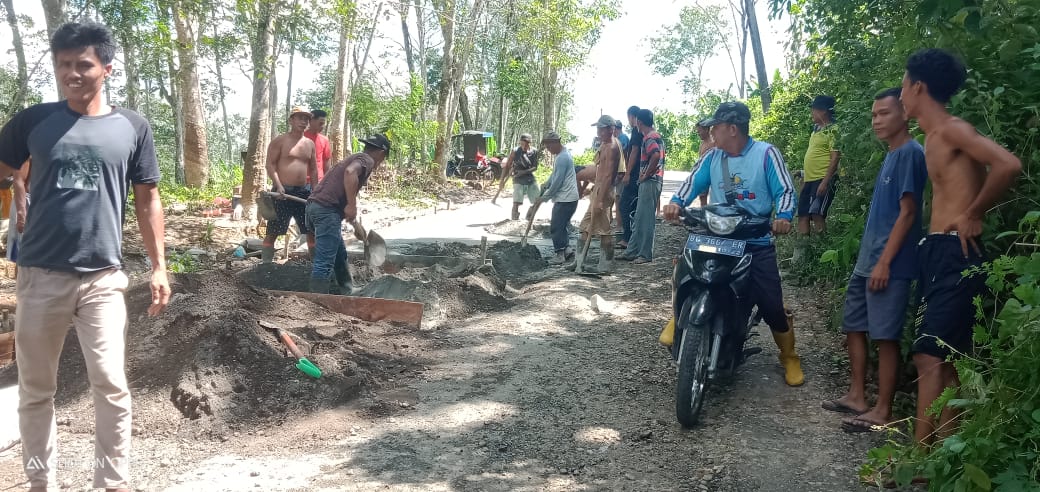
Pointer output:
x,y
996,446
182,262
223,178
684,47
840,51
681,143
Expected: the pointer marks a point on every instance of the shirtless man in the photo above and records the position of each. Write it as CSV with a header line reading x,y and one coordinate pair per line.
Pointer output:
x,y
956,156
291,162
597,218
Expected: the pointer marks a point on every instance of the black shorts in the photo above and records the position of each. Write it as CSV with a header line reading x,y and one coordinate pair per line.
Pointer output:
x,y
810,204
290,209
947,310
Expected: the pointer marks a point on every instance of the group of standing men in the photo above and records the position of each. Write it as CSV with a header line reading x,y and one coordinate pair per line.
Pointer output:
x,y
895,250
627,180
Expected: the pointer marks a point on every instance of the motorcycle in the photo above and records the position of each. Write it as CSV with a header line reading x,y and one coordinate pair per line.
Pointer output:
x,y
711,301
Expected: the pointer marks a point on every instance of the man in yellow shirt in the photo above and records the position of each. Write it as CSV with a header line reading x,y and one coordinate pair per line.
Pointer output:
x,y
821,168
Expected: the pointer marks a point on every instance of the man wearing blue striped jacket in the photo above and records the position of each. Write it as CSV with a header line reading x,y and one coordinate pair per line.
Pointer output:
x,y
761,186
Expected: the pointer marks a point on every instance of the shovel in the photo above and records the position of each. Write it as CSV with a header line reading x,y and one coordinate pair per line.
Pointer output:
x,y
375,246
579,262
305,366
530,221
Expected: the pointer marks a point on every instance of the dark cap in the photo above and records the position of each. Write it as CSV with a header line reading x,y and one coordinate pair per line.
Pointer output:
x,y
378,141
704,122
525,137
732,112
617,124
825,103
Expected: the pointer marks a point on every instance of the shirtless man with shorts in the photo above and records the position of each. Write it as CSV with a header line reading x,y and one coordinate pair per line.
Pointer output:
x,y
962,191
291,159
597,217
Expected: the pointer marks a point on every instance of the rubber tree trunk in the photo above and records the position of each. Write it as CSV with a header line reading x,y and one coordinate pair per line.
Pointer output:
x,y
54,14
19,54
549,78
196,147
254,174
760,61
338,128
219,58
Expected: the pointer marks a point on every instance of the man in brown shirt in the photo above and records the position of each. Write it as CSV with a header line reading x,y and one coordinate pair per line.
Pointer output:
x,y
293,168
333,200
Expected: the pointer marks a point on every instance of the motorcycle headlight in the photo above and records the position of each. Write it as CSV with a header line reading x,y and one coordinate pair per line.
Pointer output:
x,y
721,225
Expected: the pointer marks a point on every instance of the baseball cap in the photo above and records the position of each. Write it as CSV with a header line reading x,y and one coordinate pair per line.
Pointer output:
x,y
525,137
617,124
551,137
378,140
704,122
298,110
825,103
732,112
604,121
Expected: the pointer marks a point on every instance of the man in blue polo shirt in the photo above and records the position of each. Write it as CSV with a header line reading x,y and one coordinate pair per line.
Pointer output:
x,y
762,183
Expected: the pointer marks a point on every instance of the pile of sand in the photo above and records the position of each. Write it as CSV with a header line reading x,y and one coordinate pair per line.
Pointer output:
x,y
206,366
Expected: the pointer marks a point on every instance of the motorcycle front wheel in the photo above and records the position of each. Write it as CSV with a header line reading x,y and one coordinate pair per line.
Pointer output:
x,y
694,358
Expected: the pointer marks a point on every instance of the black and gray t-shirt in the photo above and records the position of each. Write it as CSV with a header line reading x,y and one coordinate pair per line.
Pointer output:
x,y
524,161
82,170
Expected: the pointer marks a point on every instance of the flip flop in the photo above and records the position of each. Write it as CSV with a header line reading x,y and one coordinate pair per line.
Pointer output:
x,y
855,425
640,261
839,407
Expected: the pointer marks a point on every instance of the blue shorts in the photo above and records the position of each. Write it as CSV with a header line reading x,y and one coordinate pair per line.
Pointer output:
x,y
880,314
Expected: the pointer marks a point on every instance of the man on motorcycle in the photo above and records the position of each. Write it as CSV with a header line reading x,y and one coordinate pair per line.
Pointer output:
x,y
760,185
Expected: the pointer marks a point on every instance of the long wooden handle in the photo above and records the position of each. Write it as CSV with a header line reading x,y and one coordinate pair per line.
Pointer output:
x,y
285,196
287,340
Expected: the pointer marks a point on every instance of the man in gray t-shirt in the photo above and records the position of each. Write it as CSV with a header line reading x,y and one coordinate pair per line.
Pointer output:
x,y
85,157
562,189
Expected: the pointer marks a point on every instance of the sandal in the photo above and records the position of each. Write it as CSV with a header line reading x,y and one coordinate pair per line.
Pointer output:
x,y
641,261
855,425
839,407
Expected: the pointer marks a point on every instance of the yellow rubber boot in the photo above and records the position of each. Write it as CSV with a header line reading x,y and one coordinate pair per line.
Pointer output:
x,y
793,374
667,334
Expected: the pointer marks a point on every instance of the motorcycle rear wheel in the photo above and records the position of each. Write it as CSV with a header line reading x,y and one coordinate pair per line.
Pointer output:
x,y
694,358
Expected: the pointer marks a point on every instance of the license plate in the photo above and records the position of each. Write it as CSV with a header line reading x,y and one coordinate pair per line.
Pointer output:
x,y
717,245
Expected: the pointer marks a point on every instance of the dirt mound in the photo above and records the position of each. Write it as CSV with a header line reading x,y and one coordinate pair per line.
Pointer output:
x,y
444,249
516,263
206,367
516,228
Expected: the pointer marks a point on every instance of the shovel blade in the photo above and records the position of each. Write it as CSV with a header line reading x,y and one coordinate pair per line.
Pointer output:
x,y
307,367
375,249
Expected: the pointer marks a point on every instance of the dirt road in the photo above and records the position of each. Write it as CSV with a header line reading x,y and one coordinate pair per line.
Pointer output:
x,y
542,394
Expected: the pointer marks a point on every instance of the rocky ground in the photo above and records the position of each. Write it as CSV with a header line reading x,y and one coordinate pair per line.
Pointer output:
x,y
514,382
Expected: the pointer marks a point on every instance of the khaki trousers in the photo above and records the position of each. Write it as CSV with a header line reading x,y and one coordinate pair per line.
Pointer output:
x,y
94,303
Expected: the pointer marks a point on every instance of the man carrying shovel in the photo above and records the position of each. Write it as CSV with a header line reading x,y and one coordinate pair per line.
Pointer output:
x,y
333,200
292,166
562,189
522,164
597,218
